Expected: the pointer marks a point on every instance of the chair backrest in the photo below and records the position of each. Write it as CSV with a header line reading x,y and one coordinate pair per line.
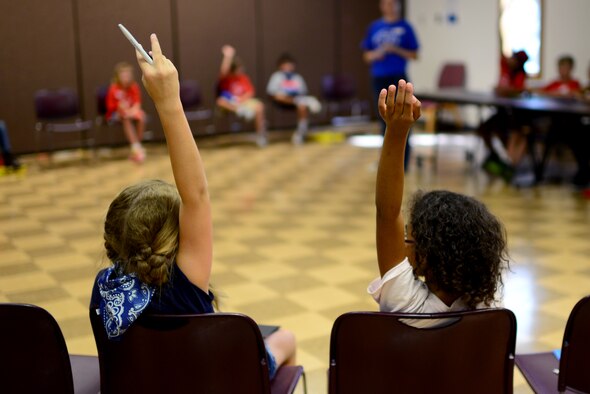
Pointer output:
x,y
452,75
575,351
208,353
56,104
375,352
33,350
190,94
338,87
101,100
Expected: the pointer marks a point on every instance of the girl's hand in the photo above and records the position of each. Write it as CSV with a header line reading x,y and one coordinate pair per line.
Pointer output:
x,y
228,51
161,78
401,111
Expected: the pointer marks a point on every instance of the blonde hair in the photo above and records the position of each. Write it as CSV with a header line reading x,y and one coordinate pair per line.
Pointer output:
x,y
118,68
141,230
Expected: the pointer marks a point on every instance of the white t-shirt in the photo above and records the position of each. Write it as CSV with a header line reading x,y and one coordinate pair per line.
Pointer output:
x,y
400,291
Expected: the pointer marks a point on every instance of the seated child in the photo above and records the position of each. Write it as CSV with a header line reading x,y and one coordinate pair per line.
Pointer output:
x,y
451,240
158,237
511,126
287,88
236,93
565,85
572,129
123,104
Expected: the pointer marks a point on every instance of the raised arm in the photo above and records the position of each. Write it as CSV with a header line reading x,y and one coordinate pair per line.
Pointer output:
x,y
195,236
228,56
399,115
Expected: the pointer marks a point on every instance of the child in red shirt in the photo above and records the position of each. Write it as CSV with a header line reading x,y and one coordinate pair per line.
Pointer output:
x,y
123,104
512,75
565,86
236,93
506,124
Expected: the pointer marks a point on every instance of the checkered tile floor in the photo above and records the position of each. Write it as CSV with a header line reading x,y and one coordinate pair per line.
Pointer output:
x,y
294,238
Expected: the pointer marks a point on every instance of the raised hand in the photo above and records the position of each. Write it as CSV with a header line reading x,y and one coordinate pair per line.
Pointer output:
x,y
401,111
228,51
161,78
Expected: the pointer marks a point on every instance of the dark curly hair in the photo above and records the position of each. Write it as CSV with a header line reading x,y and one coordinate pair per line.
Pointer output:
x,y
460,247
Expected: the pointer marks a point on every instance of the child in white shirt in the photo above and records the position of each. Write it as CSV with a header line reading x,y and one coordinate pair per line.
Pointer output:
x,y
451,240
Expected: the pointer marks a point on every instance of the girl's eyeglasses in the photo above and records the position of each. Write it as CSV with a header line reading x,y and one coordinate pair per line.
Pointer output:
x,y
406,240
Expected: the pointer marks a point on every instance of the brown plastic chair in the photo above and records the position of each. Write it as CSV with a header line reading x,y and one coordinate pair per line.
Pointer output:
x,y
58,112
192,103
452,76
339,93
573,366
105,126
375,352
207,353
35,356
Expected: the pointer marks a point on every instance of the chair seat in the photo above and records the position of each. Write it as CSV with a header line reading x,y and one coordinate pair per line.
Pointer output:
x,y
86,374
286,379
537,369
70,127
198,114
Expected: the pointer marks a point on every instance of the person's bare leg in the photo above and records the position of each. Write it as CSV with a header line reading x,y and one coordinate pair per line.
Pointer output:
x,y
140,127
260,119
517,145
302,124
302,118
282,345
129,130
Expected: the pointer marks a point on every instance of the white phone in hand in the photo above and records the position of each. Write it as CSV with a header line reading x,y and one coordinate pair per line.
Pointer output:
x,y
136,44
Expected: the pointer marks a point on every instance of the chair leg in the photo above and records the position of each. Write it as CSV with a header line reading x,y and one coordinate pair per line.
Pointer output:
x,y
430,114
304,378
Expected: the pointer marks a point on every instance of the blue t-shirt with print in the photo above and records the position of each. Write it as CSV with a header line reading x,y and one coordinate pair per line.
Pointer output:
x,y
398,33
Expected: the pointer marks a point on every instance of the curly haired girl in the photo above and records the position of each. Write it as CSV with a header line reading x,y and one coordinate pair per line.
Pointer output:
x,y
159,237
451,240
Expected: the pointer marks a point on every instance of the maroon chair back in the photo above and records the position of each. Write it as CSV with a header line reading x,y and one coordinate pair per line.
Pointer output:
x,y
574,365
56,104
101,100
452,75
190,94
34,353
338,87
375,352
208,353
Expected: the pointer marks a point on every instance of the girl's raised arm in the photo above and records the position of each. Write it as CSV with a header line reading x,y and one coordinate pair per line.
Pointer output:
x,y
399,113
195,234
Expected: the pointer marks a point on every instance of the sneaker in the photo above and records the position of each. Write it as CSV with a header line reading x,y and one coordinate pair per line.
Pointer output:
x,y
494,166
261,140
137,156
297,138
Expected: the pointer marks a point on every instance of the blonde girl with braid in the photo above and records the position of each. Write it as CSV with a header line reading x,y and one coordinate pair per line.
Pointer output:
x,y
158,237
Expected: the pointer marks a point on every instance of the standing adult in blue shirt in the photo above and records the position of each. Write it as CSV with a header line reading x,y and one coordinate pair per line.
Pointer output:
x,y
389,44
